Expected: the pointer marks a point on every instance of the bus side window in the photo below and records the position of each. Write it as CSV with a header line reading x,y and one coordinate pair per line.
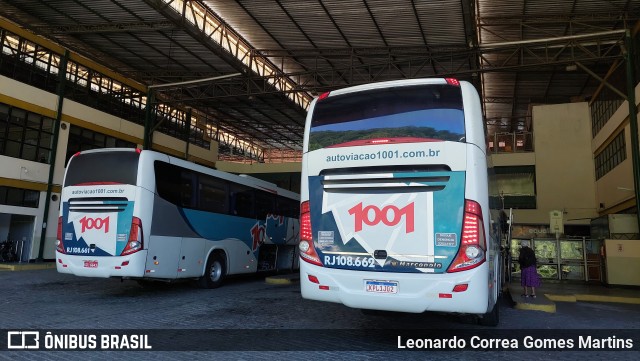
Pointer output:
x,y
265,204
242,201
167,182
213,194
288,207
187,198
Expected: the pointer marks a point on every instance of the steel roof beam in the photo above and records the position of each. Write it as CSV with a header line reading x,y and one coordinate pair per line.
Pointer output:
x,y
107,27
203,33
448,64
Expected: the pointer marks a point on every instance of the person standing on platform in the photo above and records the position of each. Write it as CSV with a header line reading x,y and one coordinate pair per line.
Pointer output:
x,y
529,278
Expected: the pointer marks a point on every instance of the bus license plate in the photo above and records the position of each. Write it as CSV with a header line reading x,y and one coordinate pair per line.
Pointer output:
x,y
91,264
381,286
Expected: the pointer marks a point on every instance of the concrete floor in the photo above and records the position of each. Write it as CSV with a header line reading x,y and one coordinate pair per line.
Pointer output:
x,y
571,291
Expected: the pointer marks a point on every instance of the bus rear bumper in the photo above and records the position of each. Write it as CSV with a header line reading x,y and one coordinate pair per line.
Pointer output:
x,y
132,265
416,292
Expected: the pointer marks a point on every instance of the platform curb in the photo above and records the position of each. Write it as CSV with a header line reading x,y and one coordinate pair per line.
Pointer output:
x,y
541,303
27,266
549,307
604,298
561,298
282,279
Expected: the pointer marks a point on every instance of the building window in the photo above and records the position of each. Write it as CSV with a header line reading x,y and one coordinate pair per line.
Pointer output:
x,y
512,187
84,139
25,135
19,197
612,155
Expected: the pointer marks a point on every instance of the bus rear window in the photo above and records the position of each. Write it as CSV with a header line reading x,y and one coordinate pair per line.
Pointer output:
x,y
103,167
420,113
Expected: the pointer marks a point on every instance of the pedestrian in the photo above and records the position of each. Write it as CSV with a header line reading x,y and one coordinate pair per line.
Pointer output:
x,y
528,271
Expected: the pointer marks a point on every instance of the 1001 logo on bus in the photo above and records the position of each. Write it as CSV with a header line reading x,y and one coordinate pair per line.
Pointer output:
x,y
95,223
389,215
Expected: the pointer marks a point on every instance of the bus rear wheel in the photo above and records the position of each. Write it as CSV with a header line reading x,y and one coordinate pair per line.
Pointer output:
x,y
215,271
491,318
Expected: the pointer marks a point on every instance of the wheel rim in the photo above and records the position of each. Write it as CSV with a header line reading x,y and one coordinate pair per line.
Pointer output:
x,y
215,271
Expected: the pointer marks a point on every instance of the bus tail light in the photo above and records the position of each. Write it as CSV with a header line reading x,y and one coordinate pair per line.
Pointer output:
x,y
472,252
452,81
323,96
305,222
59,244
307,250
135,238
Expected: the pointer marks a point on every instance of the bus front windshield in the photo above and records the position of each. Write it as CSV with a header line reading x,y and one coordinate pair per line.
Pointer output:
x,y
406,113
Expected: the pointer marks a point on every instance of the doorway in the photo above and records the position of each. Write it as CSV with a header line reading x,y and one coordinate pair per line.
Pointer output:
x,y
19,230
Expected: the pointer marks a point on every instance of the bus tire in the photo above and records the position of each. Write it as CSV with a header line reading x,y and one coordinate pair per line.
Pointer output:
x,y
215,271
491,318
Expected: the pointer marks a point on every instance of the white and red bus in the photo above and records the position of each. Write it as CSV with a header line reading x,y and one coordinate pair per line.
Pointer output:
x,y
395,206
148,216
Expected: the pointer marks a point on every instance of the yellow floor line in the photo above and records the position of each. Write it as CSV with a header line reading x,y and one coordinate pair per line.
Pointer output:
x,y
277,281
561,298
605,298
548,307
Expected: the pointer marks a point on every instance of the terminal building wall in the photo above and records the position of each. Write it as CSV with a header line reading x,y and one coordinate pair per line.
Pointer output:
x,y
21,174
563,162
614,190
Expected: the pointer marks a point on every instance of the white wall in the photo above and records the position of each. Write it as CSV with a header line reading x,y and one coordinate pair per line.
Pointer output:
x,y
27,93
16,168
565,175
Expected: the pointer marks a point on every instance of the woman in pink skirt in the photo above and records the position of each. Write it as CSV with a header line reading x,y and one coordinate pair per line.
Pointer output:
x,y
528,271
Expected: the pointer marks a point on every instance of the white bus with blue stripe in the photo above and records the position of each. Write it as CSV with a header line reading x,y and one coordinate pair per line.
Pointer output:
x,y
395,206
148,216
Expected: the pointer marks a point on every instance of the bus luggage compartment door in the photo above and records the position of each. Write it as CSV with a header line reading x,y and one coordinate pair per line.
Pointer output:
x,y
161,257
192,259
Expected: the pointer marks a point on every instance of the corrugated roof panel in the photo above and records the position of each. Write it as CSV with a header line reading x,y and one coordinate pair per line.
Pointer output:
x,y
242,22
355,22
314,23
442,21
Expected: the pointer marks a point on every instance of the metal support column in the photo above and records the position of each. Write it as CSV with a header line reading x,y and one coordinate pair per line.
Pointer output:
x,y
633,119
187,132
585,264
62,79
148,119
